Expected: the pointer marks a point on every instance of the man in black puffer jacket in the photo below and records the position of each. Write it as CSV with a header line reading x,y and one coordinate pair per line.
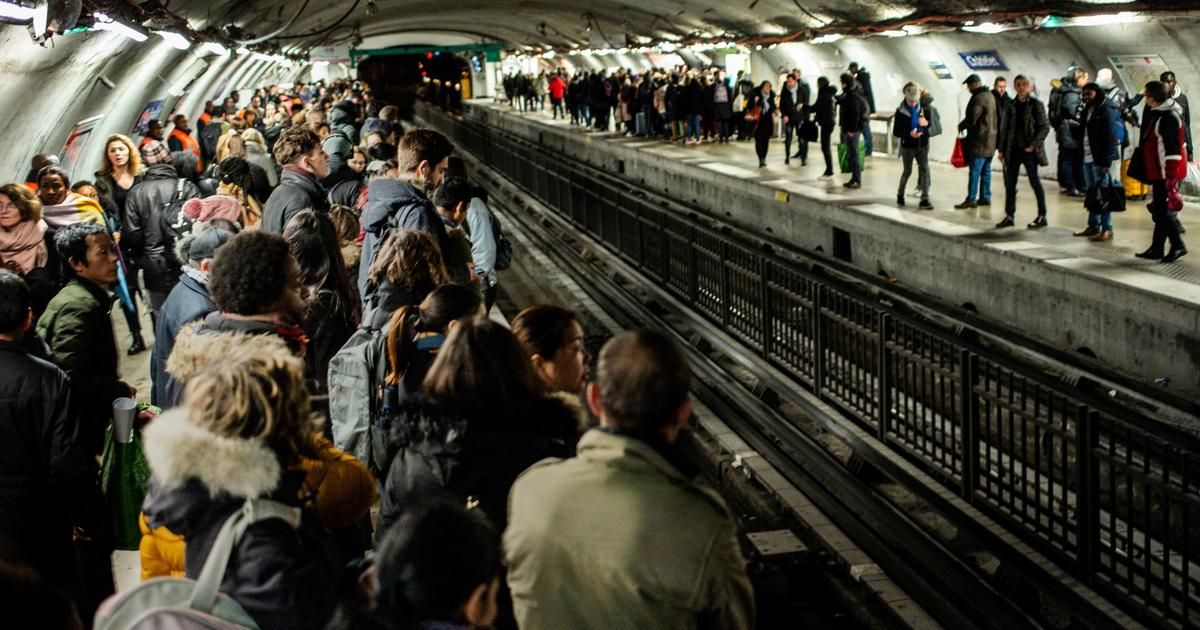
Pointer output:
x,y
304,166
403,203
44,469
150,204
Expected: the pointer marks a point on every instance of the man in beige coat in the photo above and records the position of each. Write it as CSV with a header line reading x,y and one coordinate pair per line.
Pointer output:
x,y
622,536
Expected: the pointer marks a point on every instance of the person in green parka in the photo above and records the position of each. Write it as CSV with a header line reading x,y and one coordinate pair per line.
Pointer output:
x,y
77,326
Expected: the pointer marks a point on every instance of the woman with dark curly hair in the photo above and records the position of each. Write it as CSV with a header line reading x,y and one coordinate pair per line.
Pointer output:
x,y
407,267
258,289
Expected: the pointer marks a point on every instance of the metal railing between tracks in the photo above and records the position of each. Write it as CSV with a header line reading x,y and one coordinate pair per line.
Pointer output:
x,y
1109,494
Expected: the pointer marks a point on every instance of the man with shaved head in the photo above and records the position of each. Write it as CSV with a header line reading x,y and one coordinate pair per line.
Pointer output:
x,y
624,535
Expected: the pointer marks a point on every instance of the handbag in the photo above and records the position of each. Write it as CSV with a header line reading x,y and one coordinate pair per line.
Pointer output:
x,y
957,158
809,131
1137,166
754,113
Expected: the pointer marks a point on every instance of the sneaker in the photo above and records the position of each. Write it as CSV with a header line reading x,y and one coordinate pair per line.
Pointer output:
x,y
1006,223
984,202
1035,224
1106,235
900,201
925,205
1090,230
965,205
1150,254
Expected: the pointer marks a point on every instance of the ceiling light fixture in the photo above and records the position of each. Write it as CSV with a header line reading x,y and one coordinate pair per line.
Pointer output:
x,y
987,27
105,23
16,12
175,39
827,39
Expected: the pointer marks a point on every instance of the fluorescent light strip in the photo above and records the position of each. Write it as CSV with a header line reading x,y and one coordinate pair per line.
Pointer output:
x,y
175,39
105,23
216,49
990,28
11,11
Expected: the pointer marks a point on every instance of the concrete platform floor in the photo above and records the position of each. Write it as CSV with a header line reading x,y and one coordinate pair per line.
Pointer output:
x,y
1132,229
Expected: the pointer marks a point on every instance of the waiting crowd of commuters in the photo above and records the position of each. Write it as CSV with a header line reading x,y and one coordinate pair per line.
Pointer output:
x,y
1092,122
266,238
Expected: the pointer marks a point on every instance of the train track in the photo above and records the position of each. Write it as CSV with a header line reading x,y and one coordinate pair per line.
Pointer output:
x,y
918,406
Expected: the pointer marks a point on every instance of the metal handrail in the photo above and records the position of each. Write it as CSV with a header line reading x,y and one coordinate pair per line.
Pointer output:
x,y
1028,447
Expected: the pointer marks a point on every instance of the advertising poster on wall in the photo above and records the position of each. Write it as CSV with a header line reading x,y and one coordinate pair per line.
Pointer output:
x,y
73,147
152,111
1138,70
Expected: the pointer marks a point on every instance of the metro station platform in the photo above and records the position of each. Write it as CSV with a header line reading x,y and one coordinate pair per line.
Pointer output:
x,y
1140,317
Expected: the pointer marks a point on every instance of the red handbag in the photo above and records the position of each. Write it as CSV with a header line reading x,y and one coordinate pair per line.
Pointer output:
x,y
957,158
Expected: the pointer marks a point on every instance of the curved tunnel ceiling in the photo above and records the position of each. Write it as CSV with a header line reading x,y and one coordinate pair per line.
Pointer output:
x,y
547,23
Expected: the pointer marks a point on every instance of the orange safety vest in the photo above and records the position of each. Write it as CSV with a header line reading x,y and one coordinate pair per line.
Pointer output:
x,y
144,141
204,118
189,144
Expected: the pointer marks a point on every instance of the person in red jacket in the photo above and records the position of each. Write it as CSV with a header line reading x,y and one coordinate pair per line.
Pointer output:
x,y
558,89
1164,154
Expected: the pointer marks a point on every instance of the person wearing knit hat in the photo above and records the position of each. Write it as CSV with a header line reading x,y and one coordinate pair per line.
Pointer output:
x,y
154,152
215,207
236,183
189,301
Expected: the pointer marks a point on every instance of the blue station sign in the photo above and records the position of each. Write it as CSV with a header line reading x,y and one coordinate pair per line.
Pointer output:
x,y
983,60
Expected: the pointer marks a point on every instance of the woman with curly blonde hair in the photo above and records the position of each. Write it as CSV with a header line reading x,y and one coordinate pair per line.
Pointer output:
x,y
245,433
407,268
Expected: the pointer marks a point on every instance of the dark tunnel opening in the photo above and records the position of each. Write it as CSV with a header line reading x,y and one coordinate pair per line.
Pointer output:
x,y
442,78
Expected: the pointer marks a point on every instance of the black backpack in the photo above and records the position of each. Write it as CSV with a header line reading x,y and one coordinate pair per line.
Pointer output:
x,y
174,224
1055,107
504,248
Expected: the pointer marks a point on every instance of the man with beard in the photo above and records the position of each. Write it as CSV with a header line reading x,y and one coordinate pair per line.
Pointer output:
x,y
403,203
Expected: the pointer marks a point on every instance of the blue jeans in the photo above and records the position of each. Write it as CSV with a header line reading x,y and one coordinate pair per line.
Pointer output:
x,y
868,141
1094,176
981,179
693,127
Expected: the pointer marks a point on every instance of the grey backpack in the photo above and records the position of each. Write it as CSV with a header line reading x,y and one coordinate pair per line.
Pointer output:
x,y
356,382
168,603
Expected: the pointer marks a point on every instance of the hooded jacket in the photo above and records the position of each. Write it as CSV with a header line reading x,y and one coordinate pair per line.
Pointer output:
x,y
980,124
1068,107
295,192
472,455
284,577
198,345
1100,126
1163,142
854,111
646,544
77,326
394,205
1035,124
143,232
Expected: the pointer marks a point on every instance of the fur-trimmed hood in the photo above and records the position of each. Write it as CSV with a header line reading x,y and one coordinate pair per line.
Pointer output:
x,y
202,344
178,451
574,404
